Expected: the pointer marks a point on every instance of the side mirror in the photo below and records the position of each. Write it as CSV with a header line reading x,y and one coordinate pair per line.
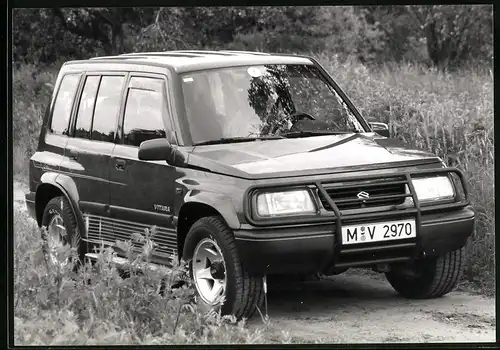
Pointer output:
x,y
380,128
160,149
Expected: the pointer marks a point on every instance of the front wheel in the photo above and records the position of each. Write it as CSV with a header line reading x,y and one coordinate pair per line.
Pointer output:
x,y
430,277
217,272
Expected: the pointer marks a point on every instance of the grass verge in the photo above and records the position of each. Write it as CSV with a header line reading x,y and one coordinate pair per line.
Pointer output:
x,y
55,305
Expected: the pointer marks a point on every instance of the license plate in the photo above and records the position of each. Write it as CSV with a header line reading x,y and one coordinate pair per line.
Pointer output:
x,y
378,232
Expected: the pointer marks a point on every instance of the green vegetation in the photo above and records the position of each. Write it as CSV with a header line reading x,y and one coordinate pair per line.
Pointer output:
x,y
96,306
444,36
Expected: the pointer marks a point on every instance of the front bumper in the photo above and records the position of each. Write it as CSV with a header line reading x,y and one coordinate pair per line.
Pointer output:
x,y
314,248
311,244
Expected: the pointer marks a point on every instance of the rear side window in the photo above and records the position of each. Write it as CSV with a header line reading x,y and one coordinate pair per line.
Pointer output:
x,y
61,113
86,107
144,111
106,109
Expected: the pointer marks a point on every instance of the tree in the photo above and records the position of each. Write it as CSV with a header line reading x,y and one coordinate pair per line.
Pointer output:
x,y
454,33
396,37
443,35
103,25
38,38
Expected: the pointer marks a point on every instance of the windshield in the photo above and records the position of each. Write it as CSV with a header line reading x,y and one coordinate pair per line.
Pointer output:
x,y
260,101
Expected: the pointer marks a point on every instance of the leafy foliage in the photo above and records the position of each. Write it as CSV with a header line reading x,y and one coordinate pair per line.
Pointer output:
x,y
445,36
455,33
96,305
31,89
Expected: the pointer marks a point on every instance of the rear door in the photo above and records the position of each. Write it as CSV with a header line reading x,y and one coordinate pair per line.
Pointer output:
x,y
88,151
142,192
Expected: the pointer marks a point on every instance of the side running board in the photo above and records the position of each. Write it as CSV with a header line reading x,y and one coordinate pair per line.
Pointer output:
x,y
124,263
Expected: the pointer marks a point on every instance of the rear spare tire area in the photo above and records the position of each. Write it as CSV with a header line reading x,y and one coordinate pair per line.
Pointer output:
x,y
429,277
217,272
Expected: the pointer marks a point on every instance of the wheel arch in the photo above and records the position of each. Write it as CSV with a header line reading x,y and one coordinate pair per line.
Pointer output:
x,y
53,185
203,206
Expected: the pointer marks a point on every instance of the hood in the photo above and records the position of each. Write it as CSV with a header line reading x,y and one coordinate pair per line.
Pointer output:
x,y
307,156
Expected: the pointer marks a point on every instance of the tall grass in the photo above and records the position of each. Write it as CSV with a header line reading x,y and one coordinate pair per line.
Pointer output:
x,y
450,115
31,91
94,306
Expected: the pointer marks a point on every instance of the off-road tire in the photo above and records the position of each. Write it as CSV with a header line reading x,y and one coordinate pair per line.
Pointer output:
x,y
244,293
438,277
61,206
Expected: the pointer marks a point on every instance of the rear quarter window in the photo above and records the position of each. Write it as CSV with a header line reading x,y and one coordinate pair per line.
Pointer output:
x,y
61,113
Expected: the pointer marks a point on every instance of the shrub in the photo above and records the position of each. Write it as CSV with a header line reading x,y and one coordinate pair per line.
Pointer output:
x,y
31,90
95,305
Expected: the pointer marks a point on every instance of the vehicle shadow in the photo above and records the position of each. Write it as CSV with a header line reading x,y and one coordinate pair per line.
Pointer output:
x,y
318,311
332,296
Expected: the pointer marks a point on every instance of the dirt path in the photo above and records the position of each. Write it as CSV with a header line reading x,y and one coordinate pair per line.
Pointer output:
x,y
353,308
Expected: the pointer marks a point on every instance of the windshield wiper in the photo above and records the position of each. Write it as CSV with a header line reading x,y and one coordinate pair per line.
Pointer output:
x,y
237,139
302,133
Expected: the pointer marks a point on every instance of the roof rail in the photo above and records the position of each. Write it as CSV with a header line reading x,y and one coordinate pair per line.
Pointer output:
x,y
118,57
183,53
203,52
162,54
198,53
102,57
246,52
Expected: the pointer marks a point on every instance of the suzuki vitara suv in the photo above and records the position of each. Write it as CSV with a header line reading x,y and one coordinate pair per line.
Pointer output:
x,y
248,165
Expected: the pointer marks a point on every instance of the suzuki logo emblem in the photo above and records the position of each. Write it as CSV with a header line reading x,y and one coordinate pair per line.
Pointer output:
x,y
363,195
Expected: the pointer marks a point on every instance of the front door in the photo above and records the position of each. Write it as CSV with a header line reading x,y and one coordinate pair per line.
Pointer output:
x,y
142,192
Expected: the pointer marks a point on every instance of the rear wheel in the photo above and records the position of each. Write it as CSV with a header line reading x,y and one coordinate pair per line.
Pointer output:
x,y
430,277
60,221
217,272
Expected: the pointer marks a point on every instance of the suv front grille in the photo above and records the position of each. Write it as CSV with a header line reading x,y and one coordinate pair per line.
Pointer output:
x,y
381,192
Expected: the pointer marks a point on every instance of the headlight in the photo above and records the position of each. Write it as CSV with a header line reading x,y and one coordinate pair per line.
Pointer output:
x,y
433,188
285,203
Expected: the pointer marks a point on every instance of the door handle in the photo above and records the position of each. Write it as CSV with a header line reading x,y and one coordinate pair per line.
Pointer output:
x,y
120,164
73,154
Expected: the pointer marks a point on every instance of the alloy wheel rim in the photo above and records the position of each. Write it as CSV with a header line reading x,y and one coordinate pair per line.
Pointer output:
x,y
209,271
56,231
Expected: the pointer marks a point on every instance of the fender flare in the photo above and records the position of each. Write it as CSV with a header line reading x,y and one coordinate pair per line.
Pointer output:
x,y
218,201
68,188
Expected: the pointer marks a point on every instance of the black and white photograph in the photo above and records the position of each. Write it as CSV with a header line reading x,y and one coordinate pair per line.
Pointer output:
x,y
212,175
